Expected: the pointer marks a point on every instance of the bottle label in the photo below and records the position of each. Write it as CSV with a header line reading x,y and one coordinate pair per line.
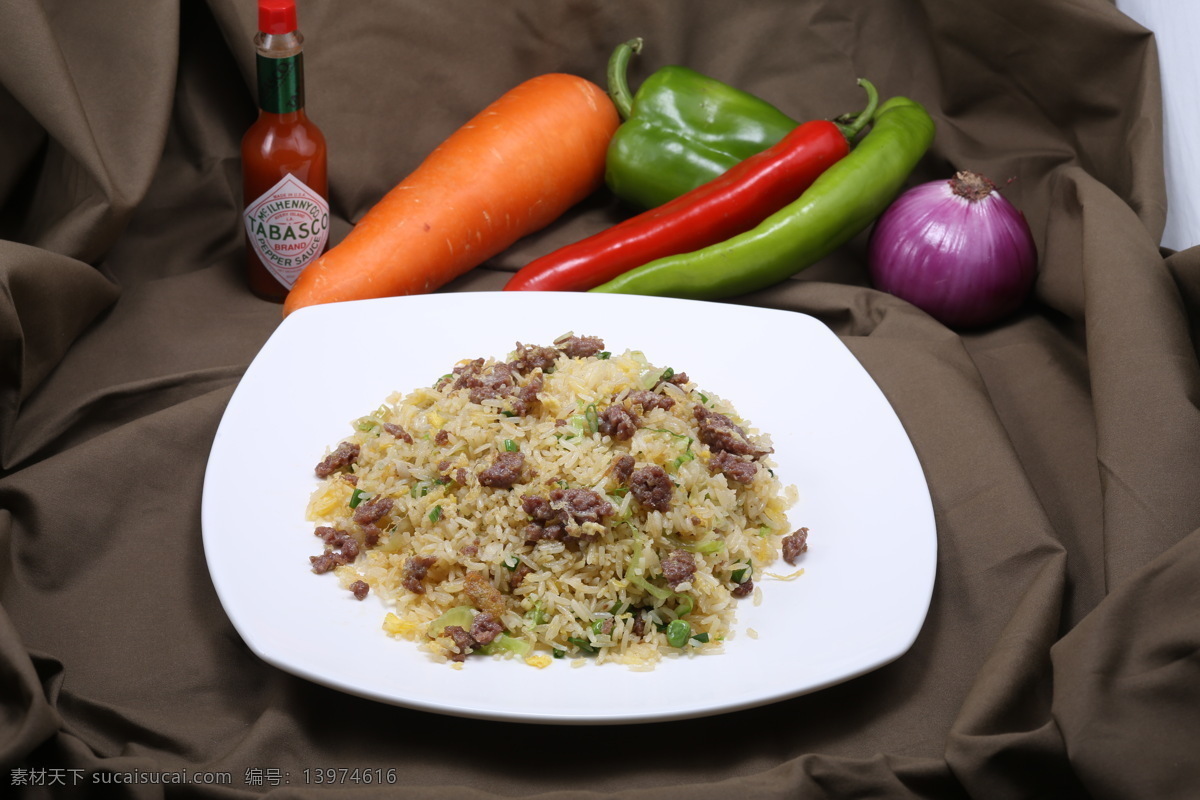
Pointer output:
x,y
288,227
281,83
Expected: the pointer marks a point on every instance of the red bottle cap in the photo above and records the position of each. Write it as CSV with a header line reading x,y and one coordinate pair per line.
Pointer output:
x,y
277,16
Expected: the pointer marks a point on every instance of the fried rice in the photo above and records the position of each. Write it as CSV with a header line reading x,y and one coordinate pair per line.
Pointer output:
x,y
564,502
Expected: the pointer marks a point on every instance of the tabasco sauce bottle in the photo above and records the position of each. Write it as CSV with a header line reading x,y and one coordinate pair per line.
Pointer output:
x,y
285,188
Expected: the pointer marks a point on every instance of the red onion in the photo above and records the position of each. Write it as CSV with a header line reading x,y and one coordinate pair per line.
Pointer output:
x,y
956,249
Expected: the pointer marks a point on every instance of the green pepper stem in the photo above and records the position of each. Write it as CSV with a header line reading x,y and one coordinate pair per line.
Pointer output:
x,y
851,129
618,86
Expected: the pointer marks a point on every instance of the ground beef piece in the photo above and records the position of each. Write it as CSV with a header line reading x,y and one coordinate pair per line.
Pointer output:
x,y
652,487
504,471
469,550
349,546
327,561
649,400
734,468
583,505
327,534
743,589
719,432
580,346
536,532
415,569
467,375
334,540
360,589
465,641
485,627
484,596
537,507
460,476
794,545
527,397
678,379
496,382
564,514
342,457
371,534
618,422
441,438
606,627
622,468
531,357
678,568
371,511
638,628
518,575
398,432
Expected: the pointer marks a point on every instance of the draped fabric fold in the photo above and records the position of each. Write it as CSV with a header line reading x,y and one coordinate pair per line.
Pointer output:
x,y
1061,653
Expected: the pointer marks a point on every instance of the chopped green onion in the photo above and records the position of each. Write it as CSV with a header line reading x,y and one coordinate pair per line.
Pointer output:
x,y
537,615
686,604
511,562
507,413
604,355
582,644
633,573
703,398
510,446
593,419
418,490
702,638
678,633
742,575
356,497
683,459
436,514
559,653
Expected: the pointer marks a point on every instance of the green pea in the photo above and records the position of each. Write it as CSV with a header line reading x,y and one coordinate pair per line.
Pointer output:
x,y
678,633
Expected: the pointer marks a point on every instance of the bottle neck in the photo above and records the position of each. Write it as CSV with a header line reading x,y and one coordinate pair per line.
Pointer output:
x,y
280,67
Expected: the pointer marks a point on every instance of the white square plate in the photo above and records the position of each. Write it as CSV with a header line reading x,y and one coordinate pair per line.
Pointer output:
x,y
868,574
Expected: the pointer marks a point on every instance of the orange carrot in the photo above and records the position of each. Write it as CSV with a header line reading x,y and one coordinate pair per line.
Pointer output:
x,y
513,169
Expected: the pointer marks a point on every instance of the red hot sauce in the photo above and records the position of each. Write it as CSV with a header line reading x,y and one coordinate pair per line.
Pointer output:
x,y
284,178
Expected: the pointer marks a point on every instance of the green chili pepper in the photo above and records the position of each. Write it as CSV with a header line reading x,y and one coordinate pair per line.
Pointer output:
x,y
842,202
681,129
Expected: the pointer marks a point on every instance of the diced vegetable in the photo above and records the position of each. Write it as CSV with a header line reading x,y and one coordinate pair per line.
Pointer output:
x,y
678,633
462,616
504,642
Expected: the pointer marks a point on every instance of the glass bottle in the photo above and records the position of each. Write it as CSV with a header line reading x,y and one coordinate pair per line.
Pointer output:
x,y
284,176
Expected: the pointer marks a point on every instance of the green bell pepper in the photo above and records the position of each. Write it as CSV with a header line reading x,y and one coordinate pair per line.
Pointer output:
x,y
681,129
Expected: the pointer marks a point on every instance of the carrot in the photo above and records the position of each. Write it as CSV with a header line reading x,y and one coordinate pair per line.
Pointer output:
x,y
513,169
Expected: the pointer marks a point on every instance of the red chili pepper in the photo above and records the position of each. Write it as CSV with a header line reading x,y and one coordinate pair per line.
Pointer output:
x,y
731,203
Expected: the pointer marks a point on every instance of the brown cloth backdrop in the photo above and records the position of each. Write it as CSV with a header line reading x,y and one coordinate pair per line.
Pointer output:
x,y
1060,655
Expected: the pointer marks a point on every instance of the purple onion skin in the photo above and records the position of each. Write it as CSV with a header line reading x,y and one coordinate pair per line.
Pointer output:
x,y
966,262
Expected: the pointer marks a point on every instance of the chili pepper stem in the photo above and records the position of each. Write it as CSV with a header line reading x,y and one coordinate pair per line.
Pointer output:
x,y
862,118
618,84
